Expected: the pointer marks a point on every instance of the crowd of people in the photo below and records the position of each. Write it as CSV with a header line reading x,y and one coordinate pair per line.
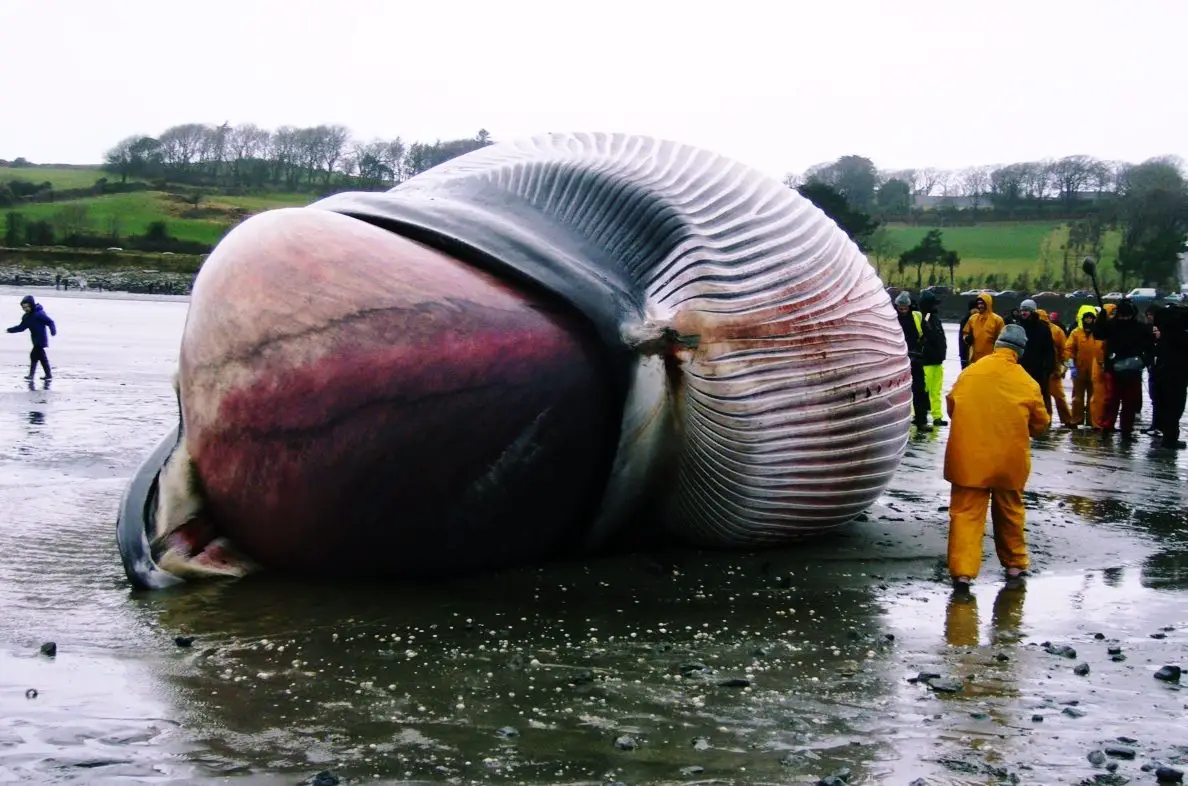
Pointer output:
x,y
1106,351
1011,384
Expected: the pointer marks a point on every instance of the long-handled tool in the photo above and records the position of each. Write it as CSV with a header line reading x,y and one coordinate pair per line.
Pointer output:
x,y
1090,268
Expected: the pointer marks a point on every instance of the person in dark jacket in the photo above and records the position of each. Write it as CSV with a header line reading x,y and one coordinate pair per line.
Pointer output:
x,y
1039,358
35,320
912,324
1127,345
932,355
1169,374
962,344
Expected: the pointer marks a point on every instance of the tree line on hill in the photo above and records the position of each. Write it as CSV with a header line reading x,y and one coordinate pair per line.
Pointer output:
x,y
1054,187
315,159
1146,203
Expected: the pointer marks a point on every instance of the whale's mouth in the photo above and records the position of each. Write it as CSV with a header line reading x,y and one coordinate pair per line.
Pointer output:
x,y
196,549
163,533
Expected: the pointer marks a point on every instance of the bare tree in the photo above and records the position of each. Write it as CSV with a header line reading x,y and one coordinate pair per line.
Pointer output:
x,y
908,176
334,142
181,145
928,179
975,183
1072,175
1037,179
248,141
1007,185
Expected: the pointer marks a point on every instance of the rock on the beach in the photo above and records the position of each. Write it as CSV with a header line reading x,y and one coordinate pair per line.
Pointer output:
x,y
1169,674
49,649
1097,758
1169,775
1081,669
1063,650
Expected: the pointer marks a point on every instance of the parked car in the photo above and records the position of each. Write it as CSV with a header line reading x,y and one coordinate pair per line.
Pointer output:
x,y
1047,293
1113,296
1080,293
1007,293
1142,292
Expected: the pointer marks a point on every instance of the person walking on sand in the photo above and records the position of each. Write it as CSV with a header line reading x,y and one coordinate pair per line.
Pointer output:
x,y
35,320
995,408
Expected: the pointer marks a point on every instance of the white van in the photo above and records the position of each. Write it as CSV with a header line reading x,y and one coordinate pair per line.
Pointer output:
x,y
1148,292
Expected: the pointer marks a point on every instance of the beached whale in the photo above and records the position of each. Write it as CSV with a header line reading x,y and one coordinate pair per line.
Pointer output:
x,y
545,347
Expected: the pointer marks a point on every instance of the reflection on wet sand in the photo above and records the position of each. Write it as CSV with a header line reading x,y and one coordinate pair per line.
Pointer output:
x,y
771,668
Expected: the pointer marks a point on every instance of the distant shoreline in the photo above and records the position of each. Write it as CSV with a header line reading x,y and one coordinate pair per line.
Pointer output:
x,y
41,293
87,280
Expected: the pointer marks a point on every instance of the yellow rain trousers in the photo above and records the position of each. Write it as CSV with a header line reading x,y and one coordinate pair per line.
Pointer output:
x,y
984,329
995,408
1056,381
934,379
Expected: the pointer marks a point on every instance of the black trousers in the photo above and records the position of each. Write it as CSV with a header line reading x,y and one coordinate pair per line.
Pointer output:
x,y
38,356
920,403
1169,391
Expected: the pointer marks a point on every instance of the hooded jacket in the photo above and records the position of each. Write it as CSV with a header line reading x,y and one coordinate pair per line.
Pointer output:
x,y
1081,346
1058,339
935,345
1171,348
1124,338
36,322
912,325
995,408
1038,357
983,330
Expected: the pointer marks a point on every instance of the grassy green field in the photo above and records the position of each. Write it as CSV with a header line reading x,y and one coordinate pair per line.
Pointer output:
x,y
132,213
60,178
1003,249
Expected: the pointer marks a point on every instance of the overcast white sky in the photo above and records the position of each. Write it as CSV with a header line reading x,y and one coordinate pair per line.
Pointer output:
x,y
778,84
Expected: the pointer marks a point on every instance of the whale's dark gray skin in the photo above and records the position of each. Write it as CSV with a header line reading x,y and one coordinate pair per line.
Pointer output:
x,y
540,348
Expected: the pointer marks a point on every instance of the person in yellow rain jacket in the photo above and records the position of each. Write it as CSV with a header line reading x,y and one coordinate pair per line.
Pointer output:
x,y
1056,381
982,329
995,407
1103,381
1085,352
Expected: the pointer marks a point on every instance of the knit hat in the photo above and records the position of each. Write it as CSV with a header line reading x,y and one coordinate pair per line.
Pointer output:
x,y
28,299
904,299
1028,305
1012,337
